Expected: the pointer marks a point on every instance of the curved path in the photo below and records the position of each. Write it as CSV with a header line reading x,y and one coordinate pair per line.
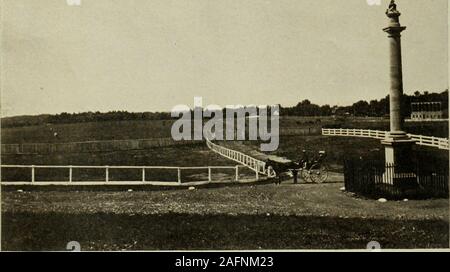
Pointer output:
x,y
256,157
256,162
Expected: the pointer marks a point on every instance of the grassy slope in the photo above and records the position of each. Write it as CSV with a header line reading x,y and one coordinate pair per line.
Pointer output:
x,y
119,130
248,217
139,129
195,155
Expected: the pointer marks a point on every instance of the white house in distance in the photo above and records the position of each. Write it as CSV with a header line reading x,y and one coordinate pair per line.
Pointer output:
x,y
426,111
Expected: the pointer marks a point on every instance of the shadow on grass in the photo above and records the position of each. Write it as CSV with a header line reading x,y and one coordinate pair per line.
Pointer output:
x,y
52,231
106,188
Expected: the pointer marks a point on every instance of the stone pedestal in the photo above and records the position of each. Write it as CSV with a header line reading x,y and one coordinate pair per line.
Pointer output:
x,y
400,169
399,152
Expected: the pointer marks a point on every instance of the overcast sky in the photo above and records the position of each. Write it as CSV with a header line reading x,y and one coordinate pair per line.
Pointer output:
x,y
150,55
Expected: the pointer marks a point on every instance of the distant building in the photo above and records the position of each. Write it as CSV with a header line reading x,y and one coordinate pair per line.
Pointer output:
x,y
422,111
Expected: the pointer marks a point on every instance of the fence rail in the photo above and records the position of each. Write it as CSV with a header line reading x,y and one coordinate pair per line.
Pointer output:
x,y
256,165
108,181
91,146
119,145
441,143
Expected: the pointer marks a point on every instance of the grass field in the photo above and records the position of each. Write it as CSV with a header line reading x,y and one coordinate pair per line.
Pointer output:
x,y
193,155
94,131
123,130
304,216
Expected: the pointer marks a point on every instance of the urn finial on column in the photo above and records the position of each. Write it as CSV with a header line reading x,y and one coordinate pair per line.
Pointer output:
x,y
392,9
393,14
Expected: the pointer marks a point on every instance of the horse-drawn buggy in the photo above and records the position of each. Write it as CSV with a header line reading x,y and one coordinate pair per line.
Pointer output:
x,y
310,169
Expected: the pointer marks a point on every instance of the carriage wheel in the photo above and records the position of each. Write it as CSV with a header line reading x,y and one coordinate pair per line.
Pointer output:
x,y
305,175
270,172
318,173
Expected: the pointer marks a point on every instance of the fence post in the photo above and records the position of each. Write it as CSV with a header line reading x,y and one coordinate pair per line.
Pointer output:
x,y
209,174
179,175
106,173
32,174
143,174
237,172
70,173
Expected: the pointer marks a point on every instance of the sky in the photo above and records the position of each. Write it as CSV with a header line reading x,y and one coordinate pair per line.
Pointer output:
x,y
140,55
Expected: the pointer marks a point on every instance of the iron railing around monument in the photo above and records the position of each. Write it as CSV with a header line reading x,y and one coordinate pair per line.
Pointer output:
x,y
380,180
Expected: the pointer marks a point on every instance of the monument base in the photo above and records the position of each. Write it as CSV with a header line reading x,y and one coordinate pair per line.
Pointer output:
x,y
400,169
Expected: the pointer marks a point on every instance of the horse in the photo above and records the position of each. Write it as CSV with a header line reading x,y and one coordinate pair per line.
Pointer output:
x,y
281,167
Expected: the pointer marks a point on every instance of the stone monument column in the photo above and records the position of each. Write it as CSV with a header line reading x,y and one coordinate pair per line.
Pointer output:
x,y
395,55
398,146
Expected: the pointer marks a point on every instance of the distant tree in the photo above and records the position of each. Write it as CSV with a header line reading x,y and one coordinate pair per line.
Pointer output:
x,y
361,108
325,110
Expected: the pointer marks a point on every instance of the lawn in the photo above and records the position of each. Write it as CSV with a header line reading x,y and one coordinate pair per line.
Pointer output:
x,y
265,216
186,155
91,131
111,130
146,129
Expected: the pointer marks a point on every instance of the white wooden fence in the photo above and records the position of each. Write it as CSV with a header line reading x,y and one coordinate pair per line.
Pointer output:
x,y
108,181
91,146
441,143
256,165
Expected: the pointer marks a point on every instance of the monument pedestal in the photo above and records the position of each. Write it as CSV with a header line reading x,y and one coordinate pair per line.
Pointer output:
x,y
400,170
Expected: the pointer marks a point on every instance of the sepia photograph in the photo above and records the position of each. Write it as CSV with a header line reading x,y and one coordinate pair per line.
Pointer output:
x,y
237,125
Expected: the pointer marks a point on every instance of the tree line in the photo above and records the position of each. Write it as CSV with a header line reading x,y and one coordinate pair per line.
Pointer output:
x,y
373,108
83,117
